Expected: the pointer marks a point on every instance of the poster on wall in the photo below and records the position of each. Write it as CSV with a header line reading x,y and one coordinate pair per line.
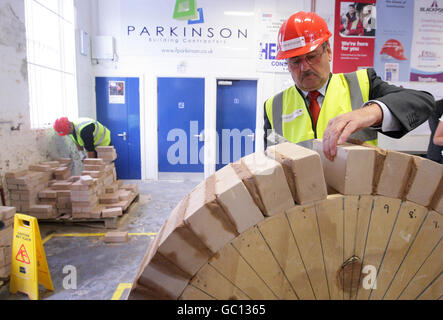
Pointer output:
x,y
268,26
188,28
393,43
354,35
117,92
427,42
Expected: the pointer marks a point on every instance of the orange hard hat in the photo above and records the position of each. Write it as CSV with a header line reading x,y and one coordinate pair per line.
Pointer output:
x,y
61,126
394,48
303,32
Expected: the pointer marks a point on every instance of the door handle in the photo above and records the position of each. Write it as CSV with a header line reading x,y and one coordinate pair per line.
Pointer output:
x,y
252,136
122,135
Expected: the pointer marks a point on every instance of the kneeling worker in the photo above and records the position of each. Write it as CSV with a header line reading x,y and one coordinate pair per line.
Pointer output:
x,y
85,132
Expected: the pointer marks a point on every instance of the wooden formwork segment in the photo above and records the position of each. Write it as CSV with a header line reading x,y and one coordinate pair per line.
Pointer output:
x,y
265,228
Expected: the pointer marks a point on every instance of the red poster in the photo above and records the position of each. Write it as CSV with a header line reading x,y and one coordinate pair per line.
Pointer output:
x,y
354,35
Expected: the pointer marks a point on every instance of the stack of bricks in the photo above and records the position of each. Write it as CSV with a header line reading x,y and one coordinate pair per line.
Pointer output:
x,y
48,190
6,233
24,186
29,189
84,197
115,197
108,154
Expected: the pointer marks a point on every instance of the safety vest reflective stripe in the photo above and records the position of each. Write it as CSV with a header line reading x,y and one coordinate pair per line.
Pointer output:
x,y
356,103
99,128
101,138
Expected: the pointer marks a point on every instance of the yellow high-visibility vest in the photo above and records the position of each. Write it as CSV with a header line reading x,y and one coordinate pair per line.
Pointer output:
x,y
102,135
345,92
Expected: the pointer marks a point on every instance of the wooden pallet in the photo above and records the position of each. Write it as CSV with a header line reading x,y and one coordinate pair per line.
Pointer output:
x,y
107,223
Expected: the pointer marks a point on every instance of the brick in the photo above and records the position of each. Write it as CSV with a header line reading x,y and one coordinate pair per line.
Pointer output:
x,y
16,174
5,271
112,188
6,236
352,171
86,180
73,179
303,171
61,186
426,177
116,237
5,256
109,198
52,164
93,161
437,200
179,244
132,187
394,174
163,277
124,195
93,174
236,200
14,196
112,212
12,186
105,149
91,167
80,215
7,213
63,161
48,194
206,218
266,182
41,208
40,168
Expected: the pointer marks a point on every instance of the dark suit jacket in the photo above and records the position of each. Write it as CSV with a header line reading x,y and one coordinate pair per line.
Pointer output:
x,y
410,107
434,151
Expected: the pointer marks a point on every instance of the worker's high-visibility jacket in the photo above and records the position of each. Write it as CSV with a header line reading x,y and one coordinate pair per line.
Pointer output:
x,y
290,117
102,135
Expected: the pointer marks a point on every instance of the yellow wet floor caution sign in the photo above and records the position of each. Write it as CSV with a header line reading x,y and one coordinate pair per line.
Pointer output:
x,y
28,266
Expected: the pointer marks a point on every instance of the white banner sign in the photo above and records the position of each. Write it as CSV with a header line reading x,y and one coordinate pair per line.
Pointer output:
x,y
268,27
184,28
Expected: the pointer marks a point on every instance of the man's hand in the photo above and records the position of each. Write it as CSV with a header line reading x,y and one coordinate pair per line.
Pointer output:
x,y
341,127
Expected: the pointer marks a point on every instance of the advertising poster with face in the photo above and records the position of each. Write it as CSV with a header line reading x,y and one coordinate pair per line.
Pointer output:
x,y
354,35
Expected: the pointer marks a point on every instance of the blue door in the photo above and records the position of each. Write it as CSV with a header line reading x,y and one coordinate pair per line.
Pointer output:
x,y
118,108
236,118
181,114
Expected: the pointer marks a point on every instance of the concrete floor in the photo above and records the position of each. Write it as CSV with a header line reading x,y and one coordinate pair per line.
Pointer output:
x,y
101,268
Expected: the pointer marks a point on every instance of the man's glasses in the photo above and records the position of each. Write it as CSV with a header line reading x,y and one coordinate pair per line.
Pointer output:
x,y
311,58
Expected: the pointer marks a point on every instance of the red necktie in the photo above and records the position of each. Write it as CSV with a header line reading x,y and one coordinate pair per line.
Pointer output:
x,y
314,107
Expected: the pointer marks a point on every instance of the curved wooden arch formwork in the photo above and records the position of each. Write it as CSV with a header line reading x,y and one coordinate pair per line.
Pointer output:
x,y
290,224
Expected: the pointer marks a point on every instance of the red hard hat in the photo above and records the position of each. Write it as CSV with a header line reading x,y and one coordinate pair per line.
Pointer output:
x,y
61,125
394,48
303,32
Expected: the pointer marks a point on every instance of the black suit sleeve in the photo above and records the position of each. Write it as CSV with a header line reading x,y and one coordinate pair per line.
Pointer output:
x,y
410,107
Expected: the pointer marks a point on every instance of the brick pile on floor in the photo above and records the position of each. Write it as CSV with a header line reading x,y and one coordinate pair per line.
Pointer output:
x,y
24,187
6,233
48,190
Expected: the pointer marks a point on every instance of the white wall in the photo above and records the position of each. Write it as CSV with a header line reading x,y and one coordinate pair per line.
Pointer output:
x,y
83,22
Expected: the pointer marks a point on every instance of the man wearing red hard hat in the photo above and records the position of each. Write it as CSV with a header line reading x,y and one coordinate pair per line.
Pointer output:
x,y
85,132
334,107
